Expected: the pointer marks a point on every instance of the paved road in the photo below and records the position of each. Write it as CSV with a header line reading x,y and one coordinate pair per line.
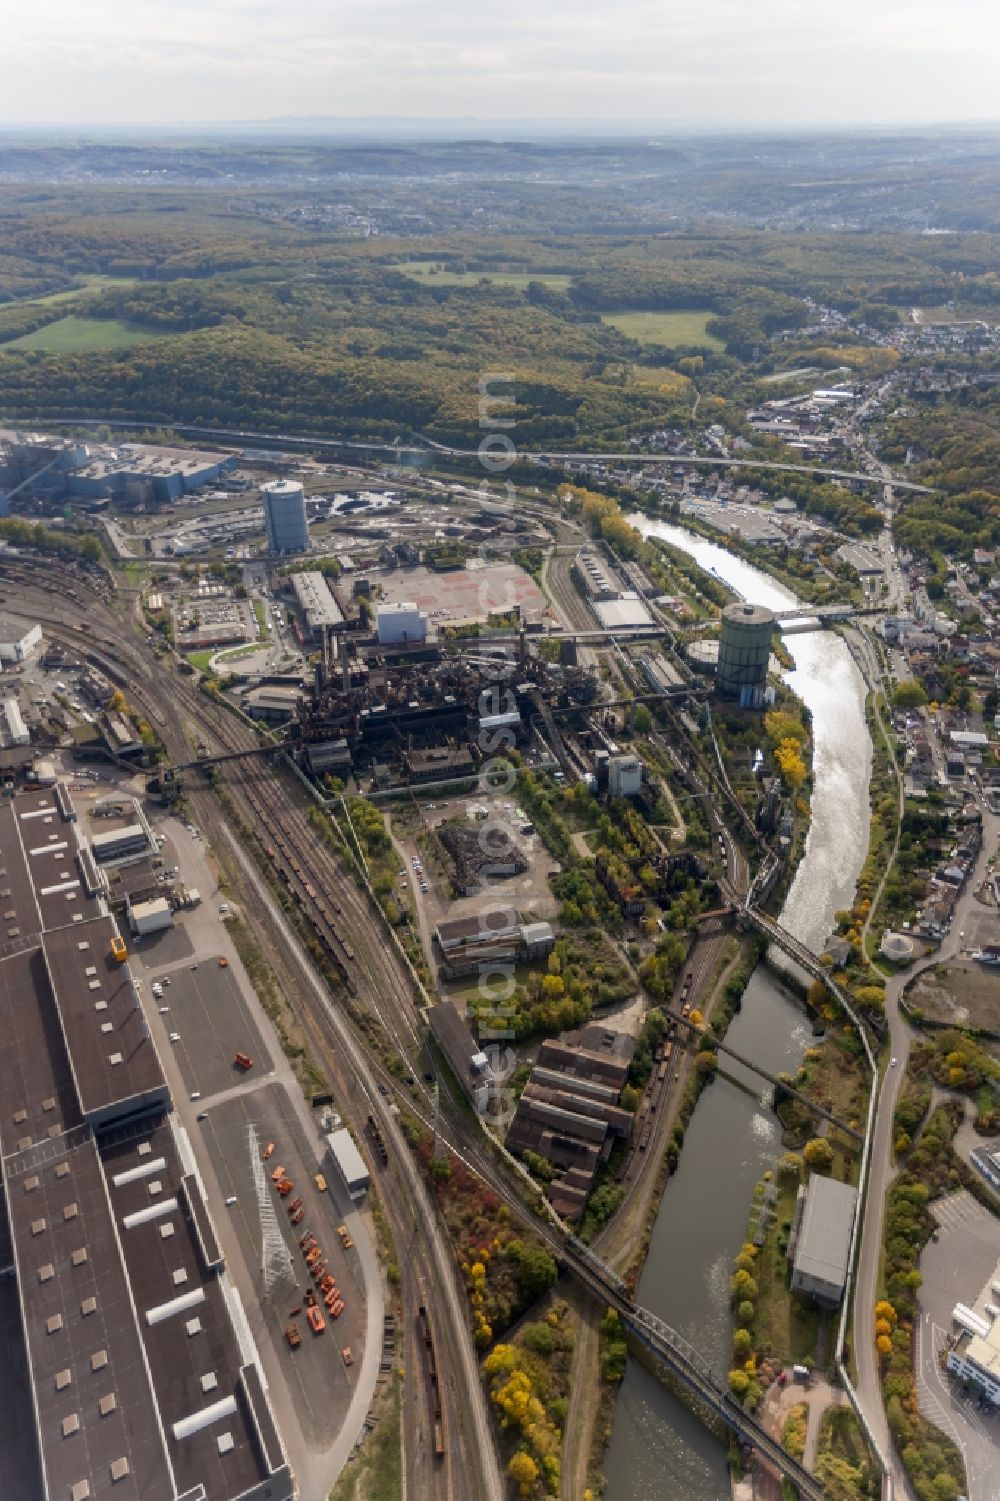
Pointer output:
x,y
298,440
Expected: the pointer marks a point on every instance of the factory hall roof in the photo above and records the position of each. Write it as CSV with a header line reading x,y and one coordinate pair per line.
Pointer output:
x,y
825,1237
142,1372
316,600
42,880
112,1056
95,1410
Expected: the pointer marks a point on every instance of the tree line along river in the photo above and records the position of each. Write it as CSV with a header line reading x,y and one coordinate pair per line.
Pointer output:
x,y
658,1448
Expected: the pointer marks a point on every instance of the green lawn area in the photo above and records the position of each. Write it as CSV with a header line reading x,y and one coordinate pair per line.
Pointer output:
x,y
786,1323
426,271
87,284
670,329
72,335
258,609
239,651
201,659
94,283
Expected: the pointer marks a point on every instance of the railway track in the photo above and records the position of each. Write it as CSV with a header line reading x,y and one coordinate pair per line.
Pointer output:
x,y
271,806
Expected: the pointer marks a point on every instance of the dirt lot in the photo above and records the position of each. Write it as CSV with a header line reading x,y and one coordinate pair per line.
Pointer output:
x,y
962,993
464,593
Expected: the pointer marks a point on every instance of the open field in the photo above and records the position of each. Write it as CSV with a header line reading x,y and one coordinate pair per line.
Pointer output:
x,y
670,329
955,315
427,271
95,283
72,335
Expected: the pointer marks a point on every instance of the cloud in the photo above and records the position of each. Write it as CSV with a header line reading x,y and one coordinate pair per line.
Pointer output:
x,y
708,61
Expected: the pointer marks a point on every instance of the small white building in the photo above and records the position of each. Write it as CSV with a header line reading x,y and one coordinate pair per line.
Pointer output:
x,y
349,1162
18,640
150,917
624,776
400,623
13,730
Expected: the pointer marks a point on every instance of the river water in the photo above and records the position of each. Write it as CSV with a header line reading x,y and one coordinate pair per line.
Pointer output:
x,y
658,1450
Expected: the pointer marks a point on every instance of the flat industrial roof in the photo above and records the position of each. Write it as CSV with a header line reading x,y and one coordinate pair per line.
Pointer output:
x,y
36,1083
108,838
192,1369
155,907
41,881
621,613
481,929
316,599
112,1055
141,1365
344,1150
825,1236
83,1345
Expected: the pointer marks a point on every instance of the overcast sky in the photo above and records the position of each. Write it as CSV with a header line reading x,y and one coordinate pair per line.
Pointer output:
x,y
708,62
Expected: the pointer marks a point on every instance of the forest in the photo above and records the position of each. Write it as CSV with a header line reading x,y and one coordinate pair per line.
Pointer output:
x,y
269,315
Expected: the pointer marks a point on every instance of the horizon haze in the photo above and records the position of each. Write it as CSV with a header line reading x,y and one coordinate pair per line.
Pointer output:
x,y
681,65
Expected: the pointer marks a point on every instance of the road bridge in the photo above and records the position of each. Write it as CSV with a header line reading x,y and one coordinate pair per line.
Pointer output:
x,y
829,612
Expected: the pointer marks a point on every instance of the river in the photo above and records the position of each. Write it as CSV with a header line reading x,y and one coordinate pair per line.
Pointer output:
x,y
658,1449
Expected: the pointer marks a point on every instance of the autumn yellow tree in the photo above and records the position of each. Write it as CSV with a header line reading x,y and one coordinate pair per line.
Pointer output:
x,y
789,758
524,1472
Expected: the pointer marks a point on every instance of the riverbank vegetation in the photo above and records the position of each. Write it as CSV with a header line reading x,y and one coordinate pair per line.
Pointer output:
x,y
928,1168
844,1464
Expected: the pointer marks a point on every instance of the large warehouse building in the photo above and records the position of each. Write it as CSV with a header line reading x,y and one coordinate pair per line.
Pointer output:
x,y
400,623
137,473
320,610
821,1239
129,1369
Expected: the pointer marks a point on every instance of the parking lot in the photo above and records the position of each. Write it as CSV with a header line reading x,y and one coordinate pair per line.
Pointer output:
x,y
320,1384
955,1268
204,1010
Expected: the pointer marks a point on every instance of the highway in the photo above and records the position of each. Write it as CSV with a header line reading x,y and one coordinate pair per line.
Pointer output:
x,y
396,452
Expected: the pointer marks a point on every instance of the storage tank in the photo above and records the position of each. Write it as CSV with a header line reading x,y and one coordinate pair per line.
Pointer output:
x,y
744,653
285,516
703,655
